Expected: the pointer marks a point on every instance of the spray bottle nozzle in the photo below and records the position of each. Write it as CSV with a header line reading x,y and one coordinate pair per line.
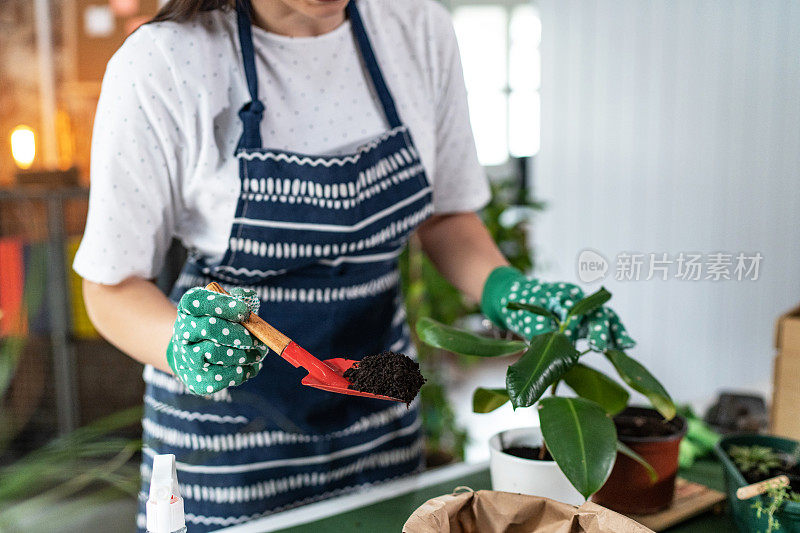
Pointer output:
x,y
165,505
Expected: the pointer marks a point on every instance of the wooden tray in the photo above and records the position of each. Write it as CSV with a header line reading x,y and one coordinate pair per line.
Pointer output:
x,y
691,499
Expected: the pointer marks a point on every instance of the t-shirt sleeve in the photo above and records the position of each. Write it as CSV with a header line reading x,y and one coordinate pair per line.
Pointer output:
x,y
459,182
136,159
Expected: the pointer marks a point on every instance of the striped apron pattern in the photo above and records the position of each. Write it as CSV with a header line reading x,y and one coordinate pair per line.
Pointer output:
x,y
318,238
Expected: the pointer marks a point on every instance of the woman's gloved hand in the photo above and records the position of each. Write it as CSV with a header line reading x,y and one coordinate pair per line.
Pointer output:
x,y
210,350
602,327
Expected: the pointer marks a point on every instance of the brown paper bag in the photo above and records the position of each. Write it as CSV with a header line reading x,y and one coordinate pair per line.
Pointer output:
x,y
487,511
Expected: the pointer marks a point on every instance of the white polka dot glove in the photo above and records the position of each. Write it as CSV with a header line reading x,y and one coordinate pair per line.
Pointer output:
x,y
210,350
602,327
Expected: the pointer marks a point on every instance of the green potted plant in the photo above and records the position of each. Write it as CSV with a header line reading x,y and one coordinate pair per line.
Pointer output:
x,y
507,216
749,459
571,455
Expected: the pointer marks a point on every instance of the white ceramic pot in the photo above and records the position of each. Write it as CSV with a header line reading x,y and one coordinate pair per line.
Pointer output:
x,y
528,476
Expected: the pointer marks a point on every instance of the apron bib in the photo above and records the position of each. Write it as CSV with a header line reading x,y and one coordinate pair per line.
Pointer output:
x,y
317,237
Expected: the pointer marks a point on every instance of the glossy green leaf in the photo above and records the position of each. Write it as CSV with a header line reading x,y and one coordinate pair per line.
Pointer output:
x,y
455,340
640,379
582,439
548,358
487,400
594,385
625,450
590,303
535,309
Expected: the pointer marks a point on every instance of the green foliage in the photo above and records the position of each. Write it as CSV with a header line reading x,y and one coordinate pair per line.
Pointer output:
x,y
581,438
439,423
549,357
625,450
438,335
579,432
428,294
590,303
487,400
760,459
640,379
61,480
536,310
594,385
507,217
775,497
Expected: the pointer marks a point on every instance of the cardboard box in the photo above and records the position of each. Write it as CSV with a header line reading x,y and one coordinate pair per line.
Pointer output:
x,y
785,413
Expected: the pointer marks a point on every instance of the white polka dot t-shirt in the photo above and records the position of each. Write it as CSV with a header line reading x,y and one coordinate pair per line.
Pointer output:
x,y
166,124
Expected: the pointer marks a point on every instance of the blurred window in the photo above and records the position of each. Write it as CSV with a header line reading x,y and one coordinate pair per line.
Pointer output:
x,y
499,43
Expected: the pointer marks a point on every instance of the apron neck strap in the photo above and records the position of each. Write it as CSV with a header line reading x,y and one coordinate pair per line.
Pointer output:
x,y
252,112
371,63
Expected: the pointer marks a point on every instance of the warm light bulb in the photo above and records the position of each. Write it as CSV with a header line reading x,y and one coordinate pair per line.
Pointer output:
x,y
23,146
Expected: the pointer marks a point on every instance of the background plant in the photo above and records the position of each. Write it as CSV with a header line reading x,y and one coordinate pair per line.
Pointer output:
x,y
775,497
71,474
578,431
759,459
428,294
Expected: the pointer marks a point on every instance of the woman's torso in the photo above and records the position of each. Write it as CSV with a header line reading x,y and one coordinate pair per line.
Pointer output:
x,y
317,97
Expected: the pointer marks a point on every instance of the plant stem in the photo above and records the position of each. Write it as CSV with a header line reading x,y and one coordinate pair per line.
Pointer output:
x,y
554,387
542,451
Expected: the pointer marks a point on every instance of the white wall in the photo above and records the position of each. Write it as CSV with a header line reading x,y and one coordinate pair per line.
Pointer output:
x,y
674,126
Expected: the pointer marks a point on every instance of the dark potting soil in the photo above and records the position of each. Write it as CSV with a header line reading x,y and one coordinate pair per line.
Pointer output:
x,y
389,374
527,452
645,426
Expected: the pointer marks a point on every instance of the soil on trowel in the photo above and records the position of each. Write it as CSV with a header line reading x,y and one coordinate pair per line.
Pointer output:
x,y
389,374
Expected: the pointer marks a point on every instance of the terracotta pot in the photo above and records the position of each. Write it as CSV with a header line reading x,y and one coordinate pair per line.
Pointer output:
x,y
629,489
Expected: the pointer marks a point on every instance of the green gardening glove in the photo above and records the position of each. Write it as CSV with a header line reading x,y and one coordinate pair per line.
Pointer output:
x,y
602,328
210,350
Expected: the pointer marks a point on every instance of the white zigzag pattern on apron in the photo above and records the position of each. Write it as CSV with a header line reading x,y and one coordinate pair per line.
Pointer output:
x,y
330,193
300,188
309,295
333,228
324,161
190,415
292,250
370,258
175,386
239,441
273,487
399,315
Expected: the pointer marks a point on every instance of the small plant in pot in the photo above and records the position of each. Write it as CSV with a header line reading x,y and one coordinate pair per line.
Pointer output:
x,y
571,456
749,459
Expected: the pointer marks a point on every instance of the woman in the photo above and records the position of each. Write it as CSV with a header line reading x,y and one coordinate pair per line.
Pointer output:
x,y
348,125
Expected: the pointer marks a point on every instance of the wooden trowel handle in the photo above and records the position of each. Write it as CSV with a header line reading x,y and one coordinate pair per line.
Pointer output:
x,y
286,348
260,328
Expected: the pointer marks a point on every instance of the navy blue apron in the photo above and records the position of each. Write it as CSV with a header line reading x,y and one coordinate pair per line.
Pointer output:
x,y
318,238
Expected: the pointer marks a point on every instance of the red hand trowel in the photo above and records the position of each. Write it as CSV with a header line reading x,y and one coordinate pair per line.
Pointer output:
x,y
325,375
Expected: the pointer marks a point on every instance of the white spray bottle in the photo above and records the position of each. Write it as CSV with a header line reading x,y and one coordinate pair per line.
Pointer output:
x,y
165,505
